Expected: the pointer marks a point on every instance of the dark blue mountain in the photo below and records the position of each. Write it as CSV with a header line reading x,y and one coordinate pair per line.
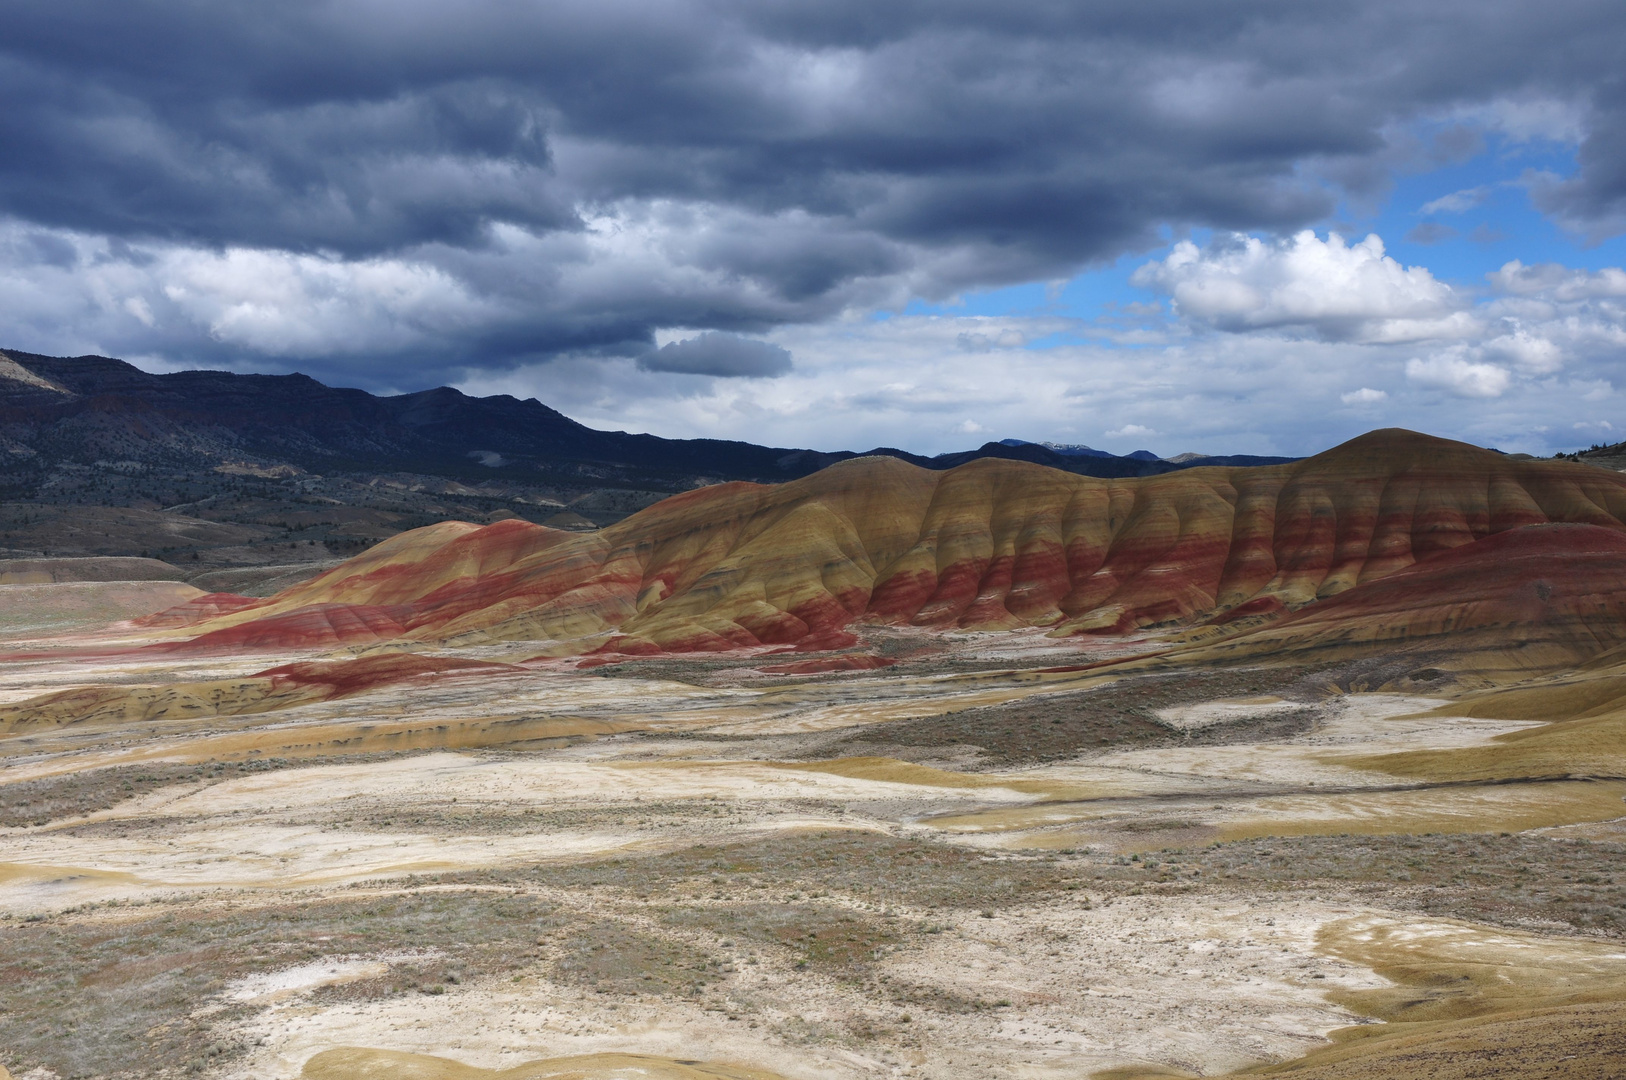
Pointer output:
x,y
93,410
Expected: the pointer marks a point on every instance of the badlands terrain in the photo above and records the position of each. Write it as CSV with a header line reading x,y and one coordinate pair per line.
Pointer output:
x,y
1314,769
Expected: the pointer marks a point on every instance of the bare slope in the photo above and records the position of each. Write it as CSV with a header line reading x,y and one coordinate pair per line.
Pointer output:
x,y
1527,600
990,545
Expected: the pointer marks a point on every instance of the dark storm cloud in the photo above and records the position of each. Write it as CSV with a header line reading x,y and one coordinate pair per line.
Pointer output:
x,y
587,173
356,176
721,355
1593,202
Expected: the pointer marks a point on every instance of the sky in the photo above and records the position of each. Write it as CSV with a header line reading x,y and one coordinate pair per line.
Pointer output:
x,y
1261,227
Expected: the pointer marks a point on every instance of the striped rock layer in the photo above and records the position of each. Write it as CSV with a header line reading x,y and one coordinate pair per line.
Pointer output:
x,y
990,545
1515,603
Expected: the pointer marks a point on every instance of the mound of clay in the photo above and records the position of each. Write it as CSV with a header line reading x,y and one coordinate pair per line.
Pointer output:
x,y
1530,599
64,607
195,610
265,691
341,678
95,568
121,706
990,545
357,1064
319,626
1576,1042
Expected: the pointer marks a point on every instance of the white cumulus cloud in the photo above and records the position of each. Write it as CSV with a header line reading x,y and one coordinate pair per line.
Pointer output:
x,y
1532,352
1454,373
1364,396
1330,289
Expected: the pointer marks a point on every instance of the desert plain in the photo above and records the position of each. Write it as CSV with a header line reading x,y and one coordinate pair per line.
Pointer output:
x,y
998,772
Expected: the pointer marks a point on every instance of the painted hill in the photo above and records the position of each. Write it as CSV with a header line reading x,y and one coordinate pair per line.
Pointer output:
x,y
265,691
990,545
1530,599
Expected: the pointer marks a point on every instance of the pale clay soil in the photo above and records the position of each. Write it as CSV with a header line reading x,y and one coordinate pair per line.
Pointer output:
x,y
1190,985
1196,983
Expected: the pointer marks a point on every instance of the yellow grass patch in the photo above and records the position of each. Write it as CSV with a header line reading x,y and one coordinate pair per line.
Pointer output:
x,y
1450,970
1583,733
1473,1001
352,1063
14,873
1579,1042
1142,1072
1546,702
1467,809
1590,746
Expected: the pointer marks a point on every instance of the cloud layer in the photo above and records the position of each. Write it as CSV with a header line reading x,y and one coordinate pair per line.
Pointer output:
x,y
532,197
1529,361
724,356
364,188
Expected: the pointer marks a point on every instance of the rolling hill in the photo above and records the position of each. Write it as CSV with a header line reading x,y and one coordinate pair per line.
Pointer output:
x,y
989,545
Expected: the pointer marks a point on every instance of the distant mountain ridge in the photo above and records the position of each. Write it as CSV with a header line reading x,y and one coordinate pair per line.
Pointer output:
x,y
1077,450
61,412
1069,449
